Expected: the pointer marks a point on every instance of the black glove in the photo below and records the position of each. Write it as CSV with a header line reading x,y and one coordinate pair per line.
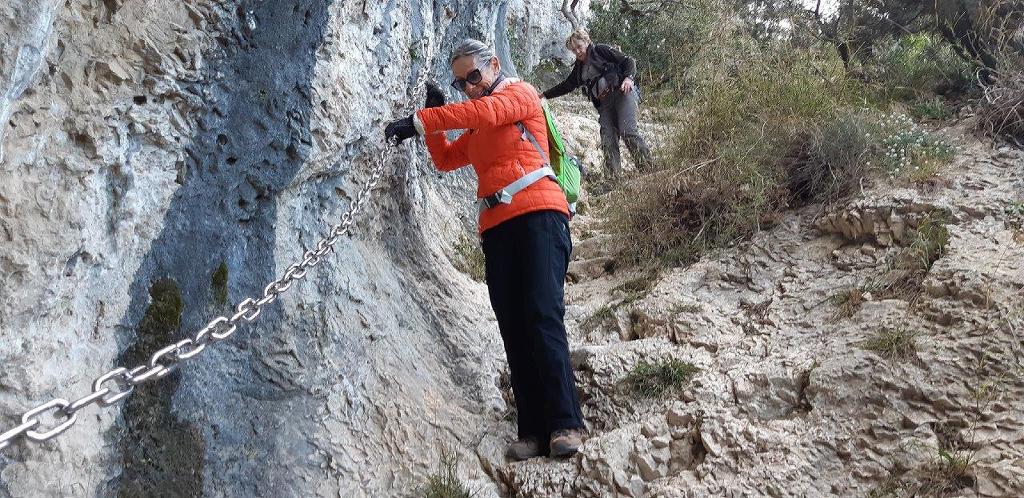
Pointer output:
x,y
435,97
400,129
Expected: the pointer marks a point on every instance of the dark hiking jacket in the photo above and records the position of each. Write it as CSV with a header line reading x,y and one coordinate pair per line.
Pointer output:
x,y
607,68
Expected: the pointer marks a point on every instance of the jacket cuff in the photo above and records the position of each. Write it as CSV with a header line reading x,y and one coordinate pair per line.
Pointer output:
x,y
418,124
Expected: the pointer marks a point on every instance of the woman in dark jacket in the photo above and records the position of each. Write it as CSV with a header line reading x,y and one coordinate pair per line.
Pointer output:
x,y
606,76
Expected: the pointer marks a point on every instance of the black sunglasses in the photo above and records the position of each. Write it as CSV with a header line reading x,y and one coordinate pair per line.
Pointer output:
x,y
472,78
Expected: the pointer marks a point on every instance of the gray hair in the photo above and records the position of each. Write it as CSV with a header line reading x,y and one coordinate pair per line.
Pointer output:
x,y
481,52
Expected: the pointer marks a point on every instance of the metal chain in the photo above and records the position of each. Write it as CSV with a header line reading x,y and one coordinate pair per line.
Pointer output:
x,y
117,384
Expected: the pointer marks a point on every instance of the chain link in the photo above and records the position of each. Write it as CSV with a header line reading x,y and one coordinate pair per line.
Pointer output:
x,y
7,437
167,360
59,407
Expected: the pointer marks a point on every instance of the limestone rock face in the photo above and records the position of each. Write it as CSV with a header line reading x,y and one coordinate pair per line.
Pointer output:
x,y
163,160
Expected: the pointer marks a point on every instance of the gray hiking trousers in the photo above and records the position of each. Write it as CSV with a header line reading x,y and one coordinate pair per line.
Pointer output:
x,y
618,114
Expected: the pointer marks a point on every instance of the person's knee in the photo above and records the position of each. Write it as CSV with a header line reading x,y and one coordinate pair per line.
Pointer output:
x,y
634,139
629,127
550,342
543,309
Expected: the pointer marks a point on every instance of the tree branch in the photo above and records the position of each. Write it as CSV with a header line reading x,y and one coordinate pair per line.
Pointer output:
x,y
569,11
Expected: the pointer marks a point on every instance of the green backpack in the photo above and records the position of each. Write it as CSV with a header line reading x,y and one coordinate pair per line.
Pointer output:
x,y
568,169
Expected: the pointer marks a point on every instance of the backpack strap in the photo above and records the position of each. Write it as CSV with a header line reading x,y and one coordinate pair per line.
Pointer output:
x,y
546,166
504,196
526,135
598,60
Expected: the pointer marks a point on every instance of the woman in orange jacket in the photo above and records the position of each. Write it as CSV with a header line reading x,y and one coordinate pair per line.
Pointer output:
x,y
524,228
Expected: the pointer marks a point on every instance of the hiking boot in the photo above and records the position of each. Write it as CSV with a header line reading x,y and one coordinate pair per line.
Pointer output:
x,y
524,448
566,442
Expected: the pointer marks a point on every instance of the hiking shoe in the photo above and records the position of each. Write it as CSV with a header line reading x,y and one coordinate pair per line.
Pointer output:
x,y
566,442
524,448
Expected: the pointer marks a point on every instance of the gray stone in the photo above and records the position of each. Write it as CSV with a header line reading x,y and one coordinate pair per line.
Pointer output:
x,y
676,417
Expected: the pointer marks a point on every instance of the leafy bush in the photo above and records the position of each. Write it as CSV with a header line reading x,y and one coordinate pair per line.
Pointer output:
x,y
663,38
909,150
915,65
769,124
725,178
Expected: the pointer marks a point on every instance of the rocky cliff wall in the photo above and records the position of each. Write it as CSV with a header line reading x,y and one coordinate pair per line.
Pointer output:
x,y
162,160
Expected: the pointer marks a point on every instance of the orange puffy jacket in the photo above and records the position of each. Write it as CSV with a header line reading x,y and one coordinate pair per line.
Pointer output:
x,y
494,146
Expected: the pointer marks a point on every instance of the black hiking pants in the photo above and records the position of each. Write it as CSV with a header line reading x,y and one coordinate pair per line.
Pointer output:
x,y
526,260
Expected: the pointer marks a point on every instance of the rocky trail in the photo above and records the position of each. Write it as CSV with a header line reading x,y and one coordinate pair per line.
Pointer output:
x,y
796,393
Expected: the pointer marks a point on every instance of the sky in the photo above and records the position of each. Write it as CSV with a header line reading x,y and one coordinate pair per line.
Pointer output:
x,y
828,7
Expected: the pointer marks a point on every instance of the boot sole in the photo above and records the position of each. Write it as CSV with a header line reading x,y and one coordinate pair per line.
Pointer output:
x,y
520,458
567,452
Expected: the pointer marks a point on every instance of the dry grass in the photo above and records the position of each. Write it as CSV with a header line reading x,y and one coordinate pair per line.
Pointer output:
x,y
945,475
949,472
650,380
1002,110
469,258
908,268
892,344
848,302
603,315
445,483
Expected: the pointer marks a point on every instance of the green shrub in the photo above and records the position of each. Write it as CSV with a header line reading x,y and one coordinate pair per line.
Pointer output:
x,y
663,41
765,125
915,65
932,109
724,178
653,379
906,149
829,161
